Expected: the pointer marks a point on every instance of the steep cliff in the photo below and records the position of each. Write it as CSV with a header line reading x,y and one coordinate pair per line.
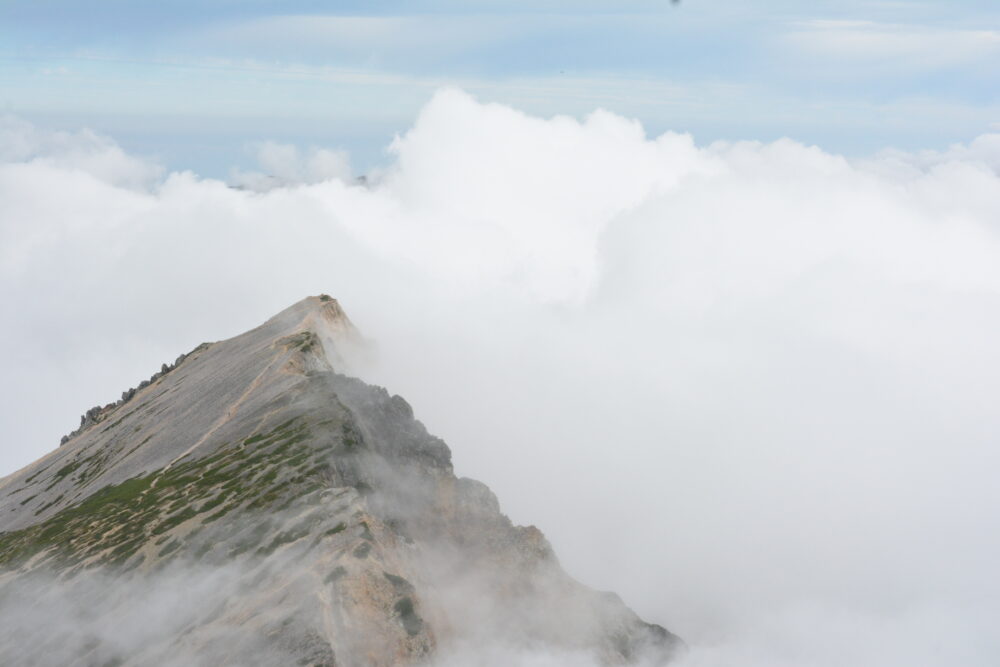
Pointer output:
x,y
253,505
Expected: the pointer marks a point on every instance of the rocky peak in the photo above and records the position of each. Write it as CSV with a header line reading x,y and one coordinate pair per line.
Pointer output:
x,y
325,521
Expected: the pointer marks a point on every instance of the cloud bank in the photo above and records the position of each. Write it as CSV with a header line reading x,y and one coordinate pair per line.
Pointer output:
x,y
751,387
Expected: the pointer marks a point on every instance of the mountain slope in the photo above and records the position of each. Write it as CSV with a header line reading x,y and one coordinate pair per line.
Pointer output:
x,y
270,510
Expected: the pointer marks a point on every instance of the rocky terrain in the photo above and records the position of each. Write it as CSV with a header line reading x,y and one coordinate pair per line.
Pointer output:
x,y
252,504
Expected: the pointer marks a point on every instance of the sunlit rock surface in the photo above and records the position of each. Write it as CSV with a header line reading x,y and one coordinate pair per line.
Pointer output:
x,y
254,505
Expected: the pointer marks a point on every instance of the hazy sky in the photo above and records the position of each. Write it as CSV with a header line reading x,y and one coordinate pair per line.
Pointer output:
x,y
750,384
192,83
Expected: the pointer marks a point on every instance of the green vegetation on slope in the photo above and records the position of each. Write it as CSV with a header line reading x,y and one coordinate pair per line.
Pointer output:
x,y
264,472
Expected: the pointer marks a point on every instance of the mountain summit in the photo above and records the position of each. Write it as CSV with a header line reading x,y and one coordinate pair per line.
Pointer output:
x,y
251,504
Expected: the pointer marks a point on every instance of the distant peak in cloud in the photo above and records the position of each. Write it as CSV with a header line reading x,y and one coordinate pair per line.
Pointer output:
x,y
285,164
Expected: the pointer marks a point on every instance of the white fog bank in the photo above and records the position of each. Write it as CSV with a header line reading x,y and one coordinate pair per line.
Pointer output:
x,y
750,387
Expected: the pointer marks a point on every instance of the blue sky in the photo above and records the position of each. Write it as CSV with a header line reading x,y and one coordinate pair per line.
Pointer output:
x,y
195,84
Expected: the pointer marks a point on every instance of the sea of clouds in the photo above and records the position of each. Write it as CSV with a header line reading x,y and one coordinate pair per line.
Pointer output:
x,y
750,387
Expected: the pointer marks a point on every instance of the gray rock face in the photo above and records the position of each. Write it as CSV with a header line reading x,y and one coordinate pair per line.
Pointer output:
x,y
261,507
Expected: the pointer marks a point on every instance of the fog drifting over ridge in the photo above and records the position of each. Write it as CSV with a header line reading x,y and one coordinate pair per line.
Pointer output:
x,y
750,387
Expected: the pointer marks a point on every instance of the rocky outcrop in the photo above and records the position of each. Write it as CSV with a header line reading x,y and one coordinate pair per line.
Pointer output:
x,y
314,518
98,413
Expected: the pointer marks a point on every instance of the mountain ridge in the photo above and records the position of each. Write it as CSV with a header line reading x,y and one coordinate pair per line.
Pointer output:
x,y
259,451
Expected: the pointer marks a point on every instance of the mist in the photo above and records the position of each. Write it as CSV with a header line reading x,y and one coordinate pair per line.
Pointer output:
x,y
750,387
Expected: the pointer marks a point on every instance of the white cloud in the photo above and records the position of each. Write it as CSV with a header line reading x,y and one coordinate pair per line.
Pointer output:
x,y
749,386
285,164
911,47
84,152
